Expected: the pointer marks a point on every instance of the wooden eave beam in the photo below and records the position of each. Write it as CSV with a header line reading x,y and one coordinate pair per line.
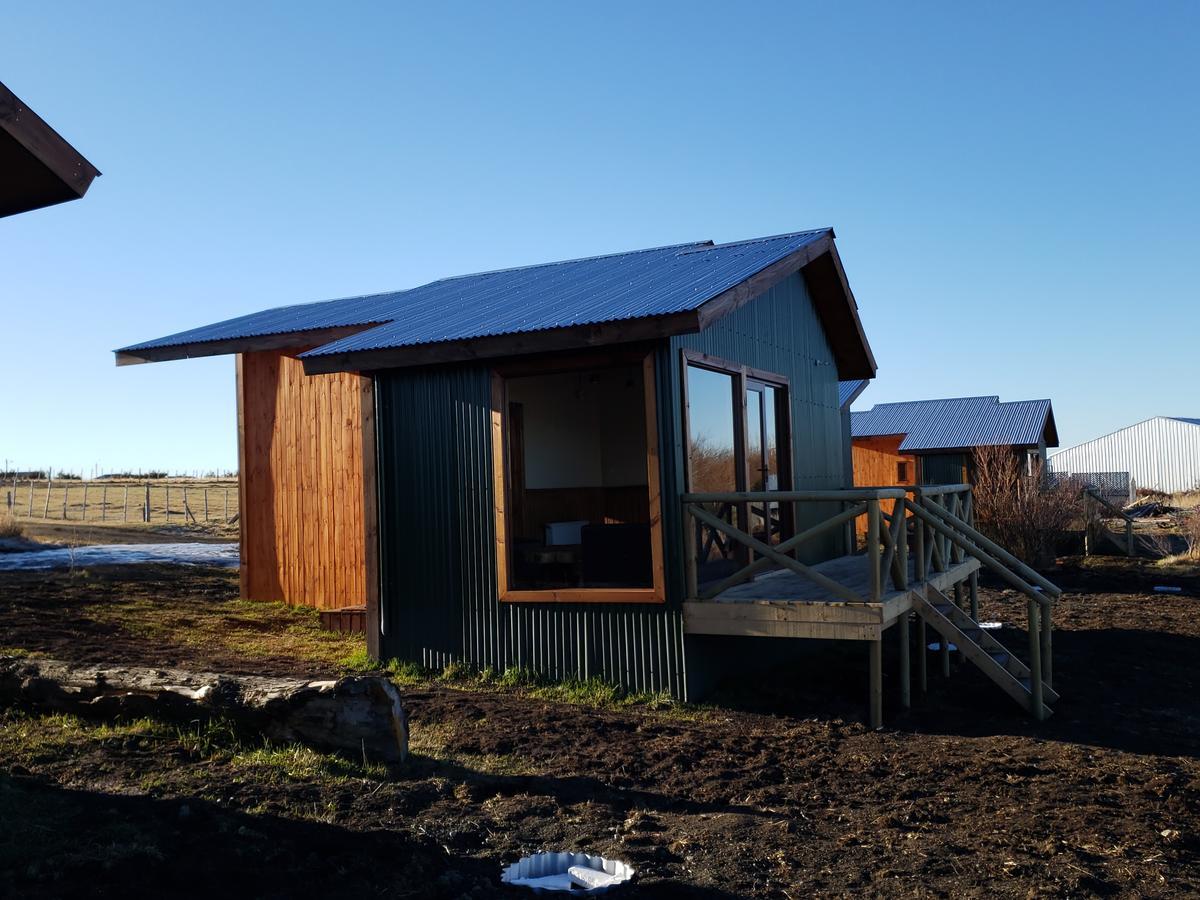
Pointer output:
x,y
485,348
45,168
288,341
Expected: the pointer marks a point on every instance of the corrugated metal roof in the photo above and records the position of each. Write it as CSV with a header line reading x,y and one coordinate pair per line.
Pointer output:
x,y
956,423
1187,420
848,391
632,285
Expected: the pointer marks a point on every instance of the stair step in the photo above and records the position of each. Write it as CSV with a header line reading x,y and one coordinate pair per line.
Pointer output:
x,y
1000,656
973,633
943,608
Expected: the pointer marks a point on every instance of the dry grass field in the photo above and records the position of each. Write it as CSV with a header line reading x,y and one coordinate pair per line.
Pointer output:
x,y
124,501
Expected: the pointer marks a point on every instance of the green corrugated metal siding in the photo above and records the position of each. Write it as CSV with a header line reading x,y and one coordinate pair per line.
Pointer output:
x,y
437,559
780,332
942,468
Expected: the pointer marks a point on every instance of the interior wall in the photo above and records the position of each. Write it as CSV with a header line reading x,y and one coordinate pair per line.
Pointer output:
x,y
583,429
302,483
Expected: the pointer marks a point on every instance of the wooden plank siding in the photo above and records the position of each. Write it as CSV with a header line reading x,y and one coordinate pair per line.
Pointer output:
x,y
300,443
877,464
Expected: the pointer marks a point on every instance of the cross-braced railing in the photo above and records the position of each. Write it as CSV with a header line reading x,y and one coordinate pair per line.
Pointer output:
x,y
943,535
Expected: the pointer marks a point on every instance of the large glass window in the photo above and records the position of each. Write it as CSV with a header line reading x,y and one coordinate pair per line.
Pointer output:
x,y
578,485
737,440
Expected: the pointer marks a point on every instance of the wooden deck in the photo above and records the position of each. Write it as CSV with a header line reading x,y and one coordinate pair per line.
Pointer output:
x,y
784,604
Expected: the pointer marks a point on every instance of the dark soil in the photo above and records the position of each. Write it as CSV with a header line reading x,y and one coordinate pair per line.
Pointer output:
x,y
781,793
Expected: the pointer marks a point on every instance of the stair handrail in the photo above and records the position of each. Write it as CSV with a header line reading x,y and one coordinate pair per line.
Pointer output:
x,y
1040,590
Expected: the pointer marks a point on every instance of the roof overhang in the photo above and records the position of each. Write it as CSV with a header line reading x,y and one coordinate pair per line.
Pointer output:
x,y
290,340
37,166
818,261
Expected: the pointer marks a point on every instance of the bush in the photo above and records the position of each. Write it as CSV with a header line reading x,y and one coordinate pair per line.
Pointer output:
x,y
1189,524
11,528
1025,514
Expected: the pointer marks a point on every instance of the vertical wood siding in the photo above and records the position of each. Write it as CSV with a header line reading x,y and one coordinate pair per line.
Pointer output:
x,y
303,506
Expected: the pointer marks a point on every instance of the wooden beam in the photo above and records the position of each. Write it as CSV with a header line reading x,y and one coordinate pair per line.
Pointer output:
x,y
658,573
741,294
505,345
243,563
40,167
374,616
292,340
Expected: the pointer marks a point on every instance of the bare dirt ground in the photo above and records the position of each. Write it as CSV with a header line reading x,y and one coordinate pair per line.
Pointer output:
x,y
779,792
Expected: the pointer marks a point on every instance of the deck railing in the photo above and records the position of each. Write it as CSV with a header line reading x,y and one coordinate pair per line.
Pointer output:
x,y
886,539
940,517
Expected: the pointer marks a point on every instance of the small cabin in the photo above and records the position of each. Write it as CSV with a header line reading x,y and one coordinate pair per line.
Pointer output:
x,y
932,441
630,466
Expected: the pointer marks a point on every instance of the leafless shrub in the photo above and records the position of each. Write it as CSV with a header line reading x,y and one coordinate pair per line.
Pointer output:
x,y
1023,513
10,527
1189,525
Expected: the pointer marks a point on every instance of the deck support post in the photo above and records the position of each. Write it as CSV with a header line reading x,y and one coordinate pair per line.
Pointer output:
x,y
973,586
923,657
1035,659
945,652
876,653
905,662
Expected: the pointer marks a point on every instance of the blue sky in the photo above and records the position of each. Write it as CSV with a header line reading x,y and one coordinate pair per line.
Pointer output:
x,y
1014,186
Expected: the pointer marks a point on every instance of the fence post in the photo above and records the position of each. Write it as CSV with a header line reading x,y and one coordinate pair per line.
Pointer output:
x,y
66,493
46,508
83,517
125,505
167,502
227,506
30,515
206,504
103,503
146,509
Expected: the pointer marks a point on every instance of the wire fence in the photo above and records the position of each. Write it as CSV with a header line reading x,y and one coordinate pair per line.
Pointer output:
x,y
175,501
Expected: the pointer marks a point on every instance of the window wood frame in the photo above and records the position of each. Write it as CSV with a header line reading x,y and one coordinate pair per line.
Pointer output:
x,y
501,481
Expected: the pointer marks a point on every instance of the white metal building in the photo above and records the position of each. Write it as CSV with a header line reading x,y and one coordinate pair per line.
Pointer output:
x,y
1162,453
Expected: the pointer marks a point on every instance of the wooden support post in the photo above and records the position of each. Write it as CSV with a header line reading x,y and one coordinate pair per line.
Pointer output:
x,y
973,587
167,501
104,503
874,576
206,504
46,508
875,649
919,534
125,505
905,662
1047,628
691,564
146,508
226,504
83,517
30,513
945,654
66,493
923,657
1035,659
959,599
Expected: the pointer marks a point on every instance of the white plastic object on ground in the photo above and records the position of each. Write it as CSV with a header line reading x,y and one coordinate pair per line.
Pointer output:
x,y
1168,589
537,872
991,626
590,878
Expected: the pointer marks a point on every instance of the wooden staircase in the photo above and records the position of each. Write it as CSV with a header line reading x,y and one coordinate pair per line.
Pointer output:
x,y
991,657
